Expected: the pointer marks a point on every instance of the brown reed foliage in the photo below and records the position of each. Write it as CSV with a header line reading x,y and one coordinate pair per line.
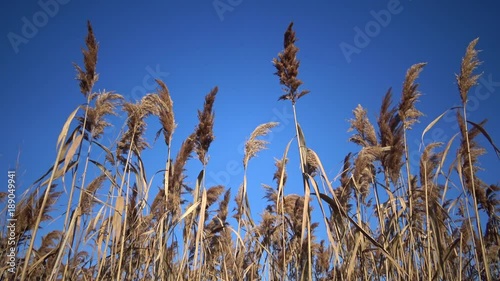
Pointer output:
x,y
378,213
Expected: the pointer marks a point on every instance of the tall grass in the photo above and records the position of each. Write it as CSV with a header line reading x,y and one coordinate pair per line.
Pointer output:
x,y
116,228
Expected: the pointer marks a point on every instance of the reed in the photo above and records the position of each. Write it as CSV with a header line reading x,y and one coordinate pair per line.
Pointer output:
x,y
385,218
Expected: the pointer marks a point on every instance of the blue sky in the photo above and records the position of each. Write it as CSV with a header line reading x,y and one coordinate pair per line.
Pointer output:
x,y
194,45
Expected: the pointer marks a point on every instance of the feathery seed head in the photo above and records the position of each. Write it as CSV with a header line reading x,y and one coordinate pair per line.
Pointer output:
x,y
166,112
88,194
280,170
253,145
204,130
287,67
466,79
105,104
133,139
365,135
311,162
407,111
88,77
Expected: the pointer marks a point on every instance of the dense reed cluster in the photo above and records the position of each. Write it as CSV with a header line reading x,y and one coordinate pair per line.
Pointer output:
x,y
383,219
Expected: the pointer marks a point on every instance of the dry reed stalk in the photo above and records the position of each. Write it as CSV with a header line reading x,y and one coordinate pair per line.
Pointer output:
x,y
87,80
287,66
93,123
429,162
469,150
409,115
161,105
252,147
243,213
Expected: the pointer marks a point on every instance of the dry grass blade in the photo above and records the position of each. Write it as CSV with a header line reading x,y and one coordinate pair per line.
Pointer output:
x,y
118,215
75,144
433,122
65,130
47,194
333,204
480,128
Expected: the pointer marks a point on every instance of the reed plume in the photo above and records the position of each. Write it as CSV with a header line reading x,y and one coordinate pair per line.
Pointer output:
x,y
470,62
365,135
391,135
204,131
287,68
88,77
166,113
407,111
254,145
105,104
280,170
88,196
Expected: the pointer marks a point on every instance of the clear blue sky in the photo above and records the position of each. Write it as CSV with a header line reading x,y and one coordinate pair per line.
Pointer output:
x,y
193,47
